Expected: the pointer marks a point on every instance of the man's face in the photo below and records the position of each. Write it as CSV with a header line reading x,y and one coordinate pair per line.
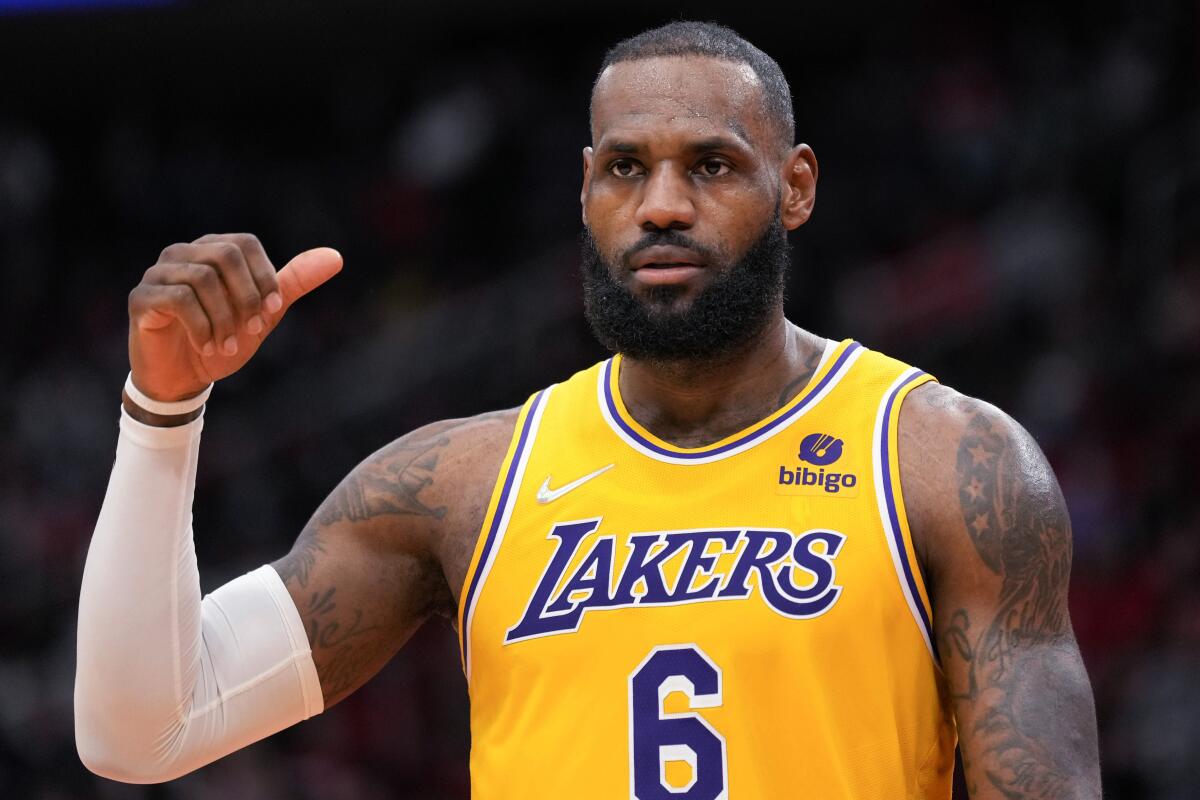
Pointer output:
x,y
681,205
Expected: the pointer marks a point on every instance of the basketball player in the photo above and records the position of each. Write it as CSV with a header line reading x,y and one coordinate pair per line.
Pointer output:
x,y
736,560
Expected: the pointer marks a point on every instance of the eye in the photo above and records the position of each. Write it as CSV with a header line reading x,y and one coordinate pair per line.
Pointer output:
x,y
712,168
625,168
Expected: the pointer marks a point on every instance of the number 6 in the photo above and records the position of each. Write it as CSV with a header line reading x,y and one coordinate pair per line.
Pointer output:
x,y
657,737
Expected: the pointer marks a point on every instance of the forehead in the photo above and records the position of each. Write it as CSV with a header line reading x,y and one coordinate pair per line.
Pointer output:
x,y
678,94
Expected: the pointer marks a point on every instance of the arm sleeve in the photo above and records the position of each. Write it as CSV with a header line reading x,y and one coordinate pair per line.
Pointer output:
x,y
166,682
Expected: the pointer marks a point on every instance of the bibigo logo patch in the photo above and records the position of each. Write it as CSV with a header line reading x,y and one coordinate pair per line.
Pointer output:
x,y
821,451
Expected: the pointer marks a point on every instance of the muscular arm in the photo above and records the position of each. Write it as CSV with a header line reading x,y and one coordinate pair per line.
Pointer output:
x,y
390,546
167,681
993,536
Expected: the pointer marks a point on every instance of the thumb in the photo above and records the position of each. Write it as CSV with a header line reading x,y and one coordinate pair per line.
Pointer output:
x,y
306,272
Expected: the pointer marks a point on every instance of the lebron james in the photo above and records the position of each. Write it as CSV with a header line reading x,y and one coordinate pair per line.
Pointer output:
x,y
734,560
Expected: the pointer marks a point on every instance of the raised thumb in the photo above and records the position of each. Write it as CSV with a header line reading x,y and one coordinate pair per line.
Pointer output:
x,y
307,271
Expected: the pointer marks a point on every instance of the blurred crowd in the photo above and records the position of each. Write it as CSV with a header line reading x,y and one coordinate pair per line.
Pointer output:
x,y
1010,200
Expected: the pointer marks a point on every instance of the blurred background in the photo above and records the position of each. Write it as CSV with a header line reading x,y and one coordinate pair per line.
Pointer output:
x,y
1009,198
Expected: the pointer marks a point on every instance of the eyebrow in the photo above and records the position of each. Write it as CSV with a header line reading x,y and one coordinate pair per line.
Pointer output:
x,y
720,143
698,145
623,147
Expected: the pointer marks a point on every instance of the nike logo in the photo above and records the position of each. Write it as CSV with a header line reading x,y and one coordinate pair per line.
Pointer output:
x,y
546,495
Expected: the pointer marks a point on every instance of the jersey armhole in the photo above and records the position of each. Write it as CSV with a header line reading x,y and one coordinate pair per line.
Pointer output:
x,y
890,497
495,521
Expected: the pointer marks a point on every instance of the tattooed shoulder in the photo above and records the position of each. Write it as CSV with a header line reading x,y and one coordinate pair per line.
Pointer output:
x,y
413,480
998,543
989,480
988,502
390,482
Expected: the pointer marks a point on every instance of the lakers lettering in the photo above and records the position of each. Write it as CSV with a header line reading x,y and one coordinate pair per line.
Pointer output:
x,y
792,573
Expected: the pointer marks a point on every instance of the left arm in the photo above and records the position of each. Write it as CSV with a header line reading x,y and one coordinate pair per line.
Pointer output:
x,y
993,537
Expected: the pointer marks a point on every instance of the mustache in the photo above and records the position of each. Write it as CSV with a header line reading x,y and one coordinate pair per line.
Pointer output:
x,y
670,238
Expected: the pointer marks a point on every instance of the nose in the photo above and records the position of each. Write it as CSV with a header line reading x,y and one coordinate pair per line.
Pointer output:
x,y
666,201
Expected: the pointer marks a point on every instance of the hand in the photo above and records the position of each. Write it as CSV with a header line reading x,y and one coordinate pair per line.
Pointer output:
x,y
202,311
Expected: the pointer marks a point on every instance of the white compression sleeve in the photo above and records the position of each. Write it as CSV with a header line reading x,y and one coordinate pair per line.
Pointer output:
x,y
166,682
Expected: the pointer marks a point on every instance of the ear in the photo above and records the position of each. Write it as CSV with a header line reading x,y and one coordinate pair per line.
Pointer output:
x,y
799,186
587,182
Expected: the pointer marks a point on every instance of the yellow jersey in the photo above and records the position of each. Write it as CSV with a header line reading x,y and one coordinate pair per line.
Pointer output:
x,y
741,620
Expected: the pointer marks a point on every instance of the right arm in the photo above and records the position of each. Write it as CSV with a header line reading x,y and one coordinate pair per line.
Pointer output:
x,y
167,681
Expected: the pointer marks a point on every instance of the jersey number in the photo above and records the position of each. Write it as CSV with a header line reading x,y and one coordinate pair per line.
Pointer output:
x,y
658,737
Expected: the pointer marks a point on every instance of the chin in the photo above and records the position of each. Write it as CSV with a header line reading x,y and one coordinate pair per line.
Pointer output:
x,y
666,300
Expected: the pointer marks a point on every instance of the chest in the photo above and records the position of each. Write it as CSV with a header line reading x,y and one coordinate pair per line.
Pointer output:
x,y
593,538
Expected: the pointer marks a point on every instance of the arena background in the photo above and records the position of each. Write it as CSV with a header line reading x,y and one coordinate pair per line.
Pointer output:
x,y
1009,198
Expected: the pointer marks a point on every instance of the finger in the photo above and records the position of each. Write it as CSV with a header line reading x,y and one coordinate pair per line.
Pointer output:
x,y
212,293
155,306
307,271
262,271
234,269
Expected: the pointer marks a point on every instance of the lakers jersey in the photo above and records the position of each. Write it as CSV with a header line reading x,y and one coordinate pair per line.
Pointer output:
x,y
741,620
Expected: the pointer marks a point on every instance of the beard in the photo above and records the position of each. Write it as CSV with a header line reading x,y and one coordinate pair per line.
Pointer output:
x,y
719,321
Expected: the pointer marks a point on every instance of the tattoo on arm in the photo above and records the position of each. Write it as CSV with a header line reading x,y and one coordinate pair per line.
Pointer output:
x,y
389,484
1019,678
297,565
362,572
342,644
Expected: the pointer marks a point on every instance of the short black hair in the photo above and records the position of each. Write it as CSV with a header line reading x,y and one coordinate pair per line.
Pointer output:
x,y
687,38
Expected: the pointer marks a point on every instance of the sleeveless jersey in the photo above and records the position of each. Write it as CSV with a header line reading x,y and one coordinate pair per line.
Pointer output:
x,y
742,620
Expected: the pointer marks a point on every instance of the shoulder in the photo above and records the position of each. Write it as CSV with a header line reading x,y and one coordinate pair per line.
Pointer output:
x,y
434,470
465,444
935,417
967,466
465,454
424,483
450,468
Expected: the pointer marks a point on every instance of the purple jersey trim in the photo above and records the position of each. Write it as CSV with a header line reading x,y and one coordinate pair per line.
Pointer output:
x,y
506,494
893,514
797,408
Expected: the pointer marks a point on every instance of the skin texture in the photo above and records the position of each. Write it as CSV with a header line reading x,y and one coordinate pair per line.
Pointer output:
x,y
679,143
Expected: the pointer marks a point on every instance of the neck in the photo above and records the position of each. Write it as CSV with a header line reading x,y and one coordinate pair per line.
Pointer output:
x,y
693,403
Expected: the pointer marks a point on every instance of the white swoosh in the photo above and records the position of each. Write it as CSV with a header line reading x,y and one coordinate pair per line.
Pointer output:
x,y
545,494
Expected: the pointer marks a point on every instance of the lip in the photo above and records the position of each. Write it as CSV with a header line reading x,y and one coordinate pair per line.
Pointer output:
x,y
666,275
666,257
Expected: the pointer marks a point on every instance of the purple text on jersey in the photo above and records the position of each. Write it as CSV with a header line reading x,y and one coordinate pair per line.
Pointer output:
x,y
773,555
